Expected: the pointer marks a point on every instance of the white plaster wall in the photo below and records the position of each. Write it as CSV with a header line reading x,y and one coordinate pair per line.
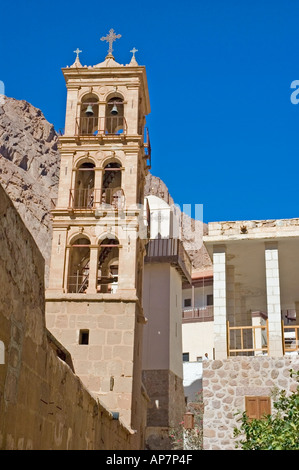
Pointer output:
x,y
192,382
175,326
160,218
156,295
198,338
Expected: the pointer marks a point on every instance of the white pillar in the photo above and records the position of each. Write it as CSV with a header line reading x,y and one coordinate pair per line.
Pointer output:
x,y
273,300
219,289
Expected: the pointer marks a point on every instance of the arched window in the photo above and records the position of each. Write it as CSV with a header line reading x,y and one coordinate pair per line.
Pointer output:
x,y
112,192
108,265
79,258
115,122
83,193
89,115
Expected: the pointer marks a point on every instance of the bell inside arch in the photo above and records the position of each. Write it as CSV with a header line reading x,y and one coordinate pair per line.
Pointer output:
x,y
114,110
89,111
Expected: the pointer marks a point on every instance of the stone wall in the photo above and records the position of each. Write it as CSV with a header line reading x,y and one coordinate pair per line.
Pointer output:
x,y
43,404
226,383
166,408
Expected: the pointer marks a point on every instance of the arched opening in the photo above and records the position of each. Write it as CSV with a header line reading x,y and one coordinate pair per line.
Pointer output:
x,y
108,266
83,194
112,192
115,122
89,115
79,258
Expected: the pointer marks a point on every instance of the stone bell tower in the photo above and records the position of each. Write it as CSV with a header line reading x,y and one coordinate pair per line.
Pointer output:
x,y
93,302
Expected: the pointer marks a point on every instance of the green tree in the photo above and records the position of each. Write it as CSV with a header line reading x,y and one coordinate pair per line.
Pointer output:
x,y
279,431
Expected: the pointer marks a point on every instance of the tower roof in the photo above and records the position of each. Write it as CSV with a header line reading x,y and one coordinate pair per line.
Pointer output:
x,y
109,62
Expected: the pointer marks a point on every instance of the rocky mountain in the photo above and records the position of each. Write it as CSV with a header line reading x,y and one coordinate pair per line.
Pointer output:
x,y
29,173
29,167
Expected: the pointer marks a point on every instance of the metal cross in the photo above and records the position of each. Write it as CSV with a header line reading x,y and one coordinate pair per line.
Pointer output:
x,y
77,51
110,38
133,51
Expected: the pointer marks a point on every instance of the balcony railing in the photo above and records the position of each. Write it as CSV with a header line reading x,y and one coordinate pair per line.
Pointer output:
x,y
78,283
202,314
82,199
247,339
94,126
290,338
169,250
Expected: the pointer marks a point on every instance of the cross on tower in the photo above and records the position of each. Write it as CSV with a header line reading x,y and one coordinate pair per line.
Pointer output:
x,y
77,51
110,38
133,51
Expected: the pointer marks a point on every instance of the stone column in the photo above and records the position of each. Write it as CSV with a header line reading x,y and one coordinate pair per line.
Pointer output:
x,y
59,241
102,116
219,290
98,177
93,271
66,269
65,181
70,115
273,300
230,294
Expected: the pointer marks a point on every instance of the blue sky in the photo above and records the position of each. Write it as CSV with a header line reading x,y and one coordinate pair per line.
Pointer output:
x,y
224,132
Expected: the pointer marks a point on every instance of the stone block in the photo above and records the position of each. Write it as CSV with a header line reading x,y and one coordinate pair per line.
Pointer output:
x,y
95,353
114,337
106,322
123,352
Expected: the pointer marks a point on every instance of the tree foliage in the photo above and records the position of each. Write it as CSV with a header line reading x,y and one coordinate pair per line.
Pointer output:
x,y
189,439
279,431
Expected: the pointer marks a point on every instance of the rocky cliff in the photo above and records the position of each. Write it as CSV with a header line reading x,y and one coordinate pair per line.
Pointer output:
x,y
29,173
29,167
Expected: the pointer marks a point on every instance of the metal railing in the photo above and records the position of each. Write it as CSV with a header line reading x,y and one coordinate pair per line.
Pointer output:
x,y
249,339
93,126
91,199
198,314
78,283
84,198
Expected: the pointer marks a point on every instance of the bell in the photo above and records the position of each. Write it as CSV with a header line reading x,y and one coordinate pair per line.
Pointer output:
x,y
114,110
89,111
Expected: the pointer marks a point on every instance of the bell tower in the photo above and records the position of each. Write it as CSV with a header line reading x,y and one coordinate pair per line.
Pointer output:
x,y
94,298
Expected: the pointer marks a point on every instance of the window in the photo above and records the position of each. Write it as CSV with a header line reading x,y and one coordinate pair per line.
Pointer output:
x,y
187,303
84,337
257,407
89,115
210,299
107,282
185,357
78,276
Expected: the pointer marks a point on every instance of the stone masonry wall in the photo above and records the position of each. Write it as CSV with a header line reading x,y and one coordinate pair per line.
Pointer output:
x,y
227,382
166,408
43,404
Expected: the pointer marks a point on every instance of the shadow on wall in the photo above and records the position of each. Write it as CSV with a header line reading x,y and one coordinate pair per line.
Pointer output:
x,y
192,390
